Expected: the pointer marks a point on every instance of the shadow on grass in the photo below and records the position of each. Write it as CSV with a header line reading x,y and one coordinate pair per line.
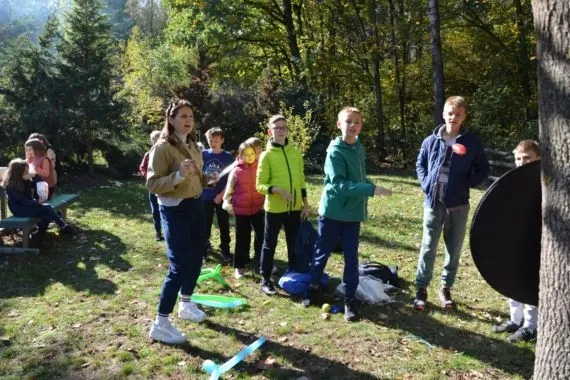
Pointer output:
x,y
65,260
498,352
306,363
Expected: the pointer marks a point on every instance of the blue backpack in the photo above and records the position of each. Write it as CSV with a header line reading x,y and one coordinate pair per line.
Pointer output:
x,y
304,247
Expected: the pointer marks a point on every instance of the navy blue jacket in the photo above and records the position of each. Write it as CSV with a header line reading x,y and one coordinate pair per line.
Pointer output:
x,y
465,171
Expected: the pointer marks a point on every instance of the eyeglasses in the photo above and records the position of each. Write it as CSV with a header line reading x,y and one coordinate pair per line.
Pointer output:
x,y
279,128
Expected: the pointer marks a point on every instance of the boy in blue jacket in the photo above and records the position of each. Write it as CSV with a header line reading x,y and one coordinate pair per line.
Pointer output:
x,y
343,205
451,161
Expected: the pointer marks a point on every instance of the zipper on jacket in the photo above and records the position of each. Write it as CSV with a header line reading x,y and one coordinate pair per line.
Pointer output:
x,y
289,205
361,179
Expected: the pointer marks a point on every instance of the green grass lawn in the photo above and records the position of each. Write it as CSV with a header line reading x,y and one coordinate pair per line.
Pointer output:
x,y
82,308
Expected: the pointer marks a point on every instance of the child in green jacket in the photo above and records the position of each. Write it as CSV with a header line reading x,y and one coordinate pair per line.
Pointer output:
x,y
281,178
343,205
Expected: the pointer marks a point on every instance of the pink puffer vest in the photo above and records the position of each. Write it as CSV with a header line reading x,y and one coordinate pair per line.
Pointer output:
x,y
246,200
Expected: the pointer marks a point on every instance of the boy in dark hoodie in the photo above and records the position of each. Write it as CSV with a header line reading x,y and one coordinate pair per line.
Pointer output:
x,y
343,205
451,161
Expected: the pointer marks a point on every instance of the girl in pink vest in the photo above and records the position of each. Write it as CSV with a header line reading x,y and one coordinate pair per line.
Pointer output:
x,y
242,200
40,164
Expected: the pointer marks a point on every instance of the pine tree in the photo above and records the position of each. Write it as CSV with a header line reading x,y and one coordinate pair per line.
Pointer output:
x,y
86,69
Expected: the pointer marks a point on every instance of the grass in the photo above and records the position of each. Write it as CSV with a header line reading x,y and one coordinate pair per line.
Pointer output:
x,y
83,306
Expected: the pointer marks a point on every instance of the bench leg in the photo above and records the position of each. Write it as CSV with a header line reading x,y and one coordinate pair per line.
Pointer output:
x,y
64,214
26,237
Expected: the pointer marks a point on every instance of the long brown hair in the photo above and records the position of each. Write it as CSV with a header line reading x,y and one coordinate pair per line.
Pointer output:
x,y
42,138
14,177
168,129
37,146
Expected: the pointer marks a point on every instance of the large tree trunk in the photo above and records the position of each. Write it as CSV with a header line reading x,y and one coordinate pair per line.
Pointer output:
x,y
552,26
437,62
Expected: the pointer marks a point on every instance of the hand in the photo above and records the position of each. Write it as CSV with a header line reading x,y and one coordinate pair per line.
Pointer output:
x,y
305,212
283,193
218,199
379,190
213,178
187,167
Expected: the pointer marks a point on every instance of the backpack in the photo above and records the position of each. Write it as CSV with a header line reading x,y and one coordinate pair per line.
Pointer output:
x,y
388,275
304,247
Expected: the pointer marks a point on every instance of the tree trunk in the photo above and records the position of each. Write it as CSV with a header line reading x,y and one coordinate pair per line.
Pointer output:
x,y
552,26
379,143
399,80
437,62
292,40
523,60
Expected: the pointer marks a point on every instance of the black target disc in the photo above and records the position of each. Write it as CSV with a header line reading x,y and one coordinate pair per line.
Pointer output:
x,y
505,234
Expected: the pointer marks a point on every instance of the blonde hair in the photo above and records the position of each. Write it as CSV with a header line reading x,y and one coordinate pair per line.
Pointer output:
x,y
254,142
528,146
347,109
154,136
457,101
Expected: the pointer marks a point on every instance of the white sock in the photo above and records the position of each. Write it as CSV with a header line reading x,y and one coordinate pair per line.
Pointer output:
x,y
161,319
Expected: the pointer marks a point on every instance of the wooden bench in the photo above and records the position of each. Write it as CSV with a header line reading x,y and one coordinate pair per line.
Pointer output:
x,y
60,202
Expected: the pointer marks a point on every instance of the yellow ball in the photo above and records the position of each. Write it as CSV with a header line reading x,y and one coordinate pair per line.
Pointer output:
x,y
326,308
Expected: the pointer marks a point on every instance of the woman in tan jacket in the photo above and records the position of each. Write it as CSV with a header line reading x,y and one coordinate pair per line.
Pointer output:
x,y
175,176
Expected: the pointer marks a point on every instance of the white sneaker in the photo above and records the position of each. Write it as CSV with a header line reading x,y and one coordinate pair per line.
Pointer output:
x,y
190,312
166,333
239,273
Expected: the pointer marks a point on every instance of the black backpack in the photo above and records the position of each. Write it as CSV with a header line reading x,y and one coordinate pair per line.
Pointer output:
x,y
388,275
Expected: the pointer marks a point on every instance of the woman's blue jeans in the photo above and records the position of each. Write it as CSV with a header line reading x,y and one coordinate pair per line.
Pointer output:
x,y
453,222
183,227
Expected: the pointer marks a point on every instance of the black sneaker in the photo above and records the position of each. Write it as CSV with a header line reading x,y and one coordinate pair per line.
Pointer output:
x,y
508,326
69,229
267,287
350,310
420,300
522,335
312,295
158,236
227,258
445,298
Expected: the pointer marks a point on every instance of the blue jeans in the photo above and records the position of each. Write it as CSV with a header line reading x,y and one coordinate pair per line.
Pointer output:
x,y
453,222
155,210
42,211
329,231
184,235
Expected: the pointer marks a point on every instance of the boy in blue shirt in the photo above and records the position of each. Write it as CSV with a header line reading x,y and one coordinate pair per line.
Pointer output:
x,y
343,205
451,160
215,160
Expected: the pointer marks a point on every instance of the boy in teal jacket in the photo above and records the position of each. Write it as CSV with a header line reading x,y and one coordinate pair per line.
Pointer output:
x,y
281,178
343,205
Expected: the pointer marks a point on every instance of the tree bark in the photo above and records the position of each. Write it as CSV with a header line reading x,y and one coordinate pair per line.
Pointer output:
x,y
437,62
552,27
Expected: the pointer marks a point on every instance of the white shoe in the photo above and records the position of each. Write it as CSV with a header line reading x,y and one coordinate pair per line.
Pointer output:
x,y
190,312
166,333
239,273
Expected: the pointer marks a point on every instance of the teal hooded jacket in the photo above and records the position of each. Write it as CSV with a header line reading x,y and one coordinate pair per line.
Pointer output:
x,y
346,188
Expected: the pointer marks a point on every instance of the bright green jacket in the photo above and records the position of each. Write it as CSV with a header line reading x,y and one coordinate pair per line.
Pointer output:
x,y
281,165
346,191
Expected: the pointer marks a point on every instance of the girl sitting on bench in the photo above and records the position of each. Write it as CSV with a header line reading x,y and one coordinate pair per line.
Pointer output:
x,y
19,186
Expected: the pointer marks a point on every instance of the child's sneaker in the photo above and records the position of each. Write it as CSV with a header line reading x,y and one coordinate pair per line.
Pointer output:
x,y
190,312
420,300
350,310
445,298
508,326
522,335
239,273
69,229
158,236
312,295
166,333
267,287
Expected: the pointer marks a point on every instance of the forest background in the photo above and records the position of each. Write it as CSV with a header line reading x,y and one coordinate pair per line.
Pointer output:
x,y
94,76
